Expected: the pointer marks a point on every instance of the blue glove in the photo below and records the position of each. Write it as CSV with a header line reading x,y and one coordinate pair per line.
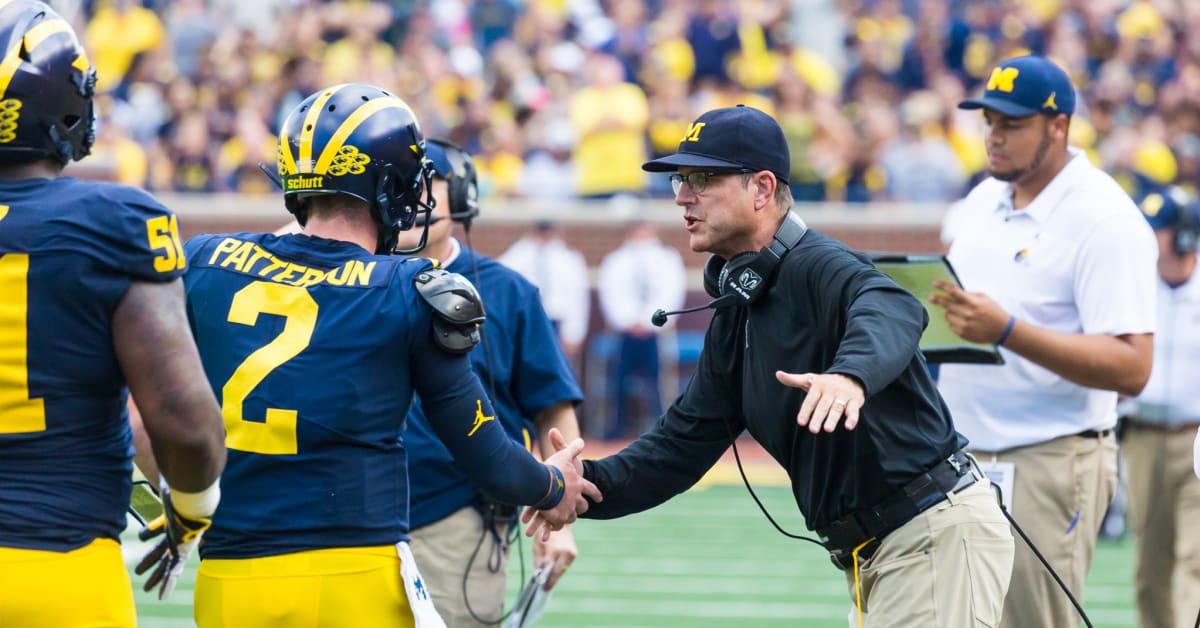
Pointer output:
x,y
180,535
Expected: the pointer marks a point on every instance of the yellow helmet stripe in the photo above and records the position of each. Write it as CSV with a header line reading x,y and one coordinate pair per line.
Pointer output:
x,y
285,150
43,31
351,123
310,126
32,39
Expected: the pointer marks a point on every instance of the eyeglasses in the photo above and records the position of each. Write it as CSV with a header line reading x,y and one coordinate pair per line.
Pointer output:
x,y
699,181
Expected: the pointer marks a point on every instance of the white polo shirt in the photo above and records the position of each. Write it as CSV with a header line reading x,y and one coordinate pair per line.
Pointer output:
x,y
1079,259
1170,396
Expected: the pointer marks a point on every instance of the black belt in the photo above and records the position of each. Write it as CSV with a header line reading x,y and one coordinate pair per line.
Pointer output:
x,y
1094,433
866,528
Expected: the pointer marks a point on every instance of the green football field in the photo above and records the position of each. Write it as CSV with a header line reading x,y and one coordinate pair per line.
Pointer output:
x,y
707,558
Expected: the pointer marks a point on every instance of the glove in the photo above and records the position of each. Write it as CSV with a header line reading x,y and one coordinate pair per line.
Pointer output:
x,y
180,535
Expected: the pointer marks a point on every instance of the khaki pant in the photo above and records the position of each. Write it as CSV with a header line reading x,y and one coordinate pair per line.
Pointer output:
x,y
1164,504
947,568
1061,490
443,549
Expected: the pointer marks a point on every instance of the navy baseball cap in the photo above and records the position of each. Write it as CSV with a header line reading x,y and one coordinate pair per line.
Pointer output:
x,y
730,137
1162,206
1023,86
436,155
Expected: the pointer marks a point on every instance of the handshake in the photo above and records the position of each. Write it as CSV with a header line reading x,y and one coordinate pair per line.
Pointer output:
x,y
567,480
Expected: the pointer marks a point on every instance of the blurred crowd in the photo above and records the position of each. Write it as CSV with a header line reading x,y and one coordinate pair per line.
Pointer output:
x,y
562,99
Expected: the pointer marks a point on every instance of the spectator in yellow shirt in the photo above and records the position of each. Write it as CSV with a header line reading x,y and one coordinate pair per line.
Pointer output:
x,y
611,116
118,31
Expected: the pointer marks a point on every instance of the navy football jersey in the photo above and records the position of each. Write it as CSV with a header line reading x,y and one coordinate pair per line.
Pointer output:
x,y
525,371
314,348
69,250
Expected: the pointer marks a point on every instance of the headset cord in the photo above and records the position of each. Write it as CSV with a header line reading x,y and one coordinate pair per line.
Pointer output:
x,y
995,489
746,481
495,560
1036,552
487,354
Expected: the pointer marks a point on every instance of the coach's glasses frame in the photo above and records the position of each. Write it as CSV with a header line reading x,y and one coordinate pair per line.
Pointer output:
x,y
699,181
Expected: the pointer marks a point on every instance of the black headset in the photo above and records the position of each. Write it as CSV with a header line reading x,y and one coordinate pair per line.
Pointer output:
x,y
745,278
463,183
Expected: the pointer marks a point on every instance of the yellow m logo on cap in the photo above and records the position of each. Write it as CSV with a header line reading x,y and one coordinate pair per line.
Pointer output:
x,y
693,132
1002,79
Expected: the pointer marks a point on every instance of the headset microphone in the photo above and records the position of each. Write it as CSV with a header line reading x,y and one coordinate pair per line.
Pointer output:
x,y
660,316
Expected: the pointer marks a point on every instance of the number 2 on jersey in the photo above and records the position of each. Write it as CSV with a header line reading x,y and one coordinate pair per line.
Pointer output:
x,y
18,412
277,434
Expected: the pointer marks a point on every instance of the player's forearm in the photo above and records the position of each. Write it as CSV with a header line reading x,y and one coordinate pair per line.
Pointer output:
x,y
143,455
560,415
1118,363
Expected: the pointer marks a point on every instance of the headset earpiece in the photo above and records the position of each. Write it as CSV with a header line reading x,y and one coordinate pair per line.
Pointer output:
x,y
712,275
1185,231
462,187
748,274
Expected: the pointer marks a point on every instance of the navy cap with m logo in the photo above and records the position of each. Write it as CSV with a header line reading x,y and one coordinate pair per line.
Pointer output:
x,y
738,137
1023,86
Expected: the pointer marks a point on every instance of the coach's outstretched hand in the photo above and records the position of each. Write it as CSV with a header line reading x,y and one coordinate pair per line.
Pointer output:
x,y
831,398
573,503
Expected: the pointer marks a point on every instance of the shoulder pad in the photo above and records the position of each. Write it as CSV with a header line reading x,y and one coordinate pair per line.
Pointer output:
x,y
457,307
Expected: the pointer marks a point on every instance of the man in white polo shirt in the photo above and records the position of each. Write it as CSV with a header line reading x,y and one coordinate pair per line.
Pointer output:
x,y
1164,496
1061,268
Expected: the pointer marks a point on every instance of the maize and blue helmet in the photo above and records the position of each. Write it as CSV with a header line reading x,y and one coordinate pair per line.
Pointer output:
x,y
47,85
361,141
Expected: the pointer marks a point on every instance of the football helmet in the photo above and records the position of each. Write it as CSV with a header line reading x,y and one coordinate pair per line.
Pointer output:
x,y
362,141
47,85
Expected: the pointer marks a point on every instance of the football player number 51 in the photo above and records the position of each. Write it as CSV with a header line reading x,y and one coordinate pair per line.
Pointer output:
x,y
277,434
20,413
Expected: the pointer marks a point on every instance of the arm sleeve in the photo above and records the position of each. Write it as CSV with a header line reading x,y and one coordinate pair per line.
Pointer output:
x,y
675,453
883,322
463,419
